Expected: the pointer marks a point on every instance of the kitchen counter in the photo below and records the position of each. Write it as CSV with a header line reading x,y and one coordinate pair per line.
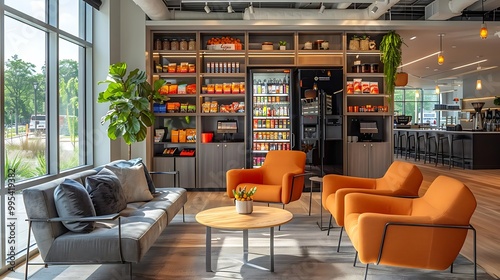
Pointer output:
x,y
481,147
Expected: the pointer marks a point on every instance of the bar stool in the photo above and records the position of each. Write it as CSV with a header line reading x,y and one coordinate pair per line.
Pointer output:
x,y
409,148
400,137
460,140
418,148
442,140
430,154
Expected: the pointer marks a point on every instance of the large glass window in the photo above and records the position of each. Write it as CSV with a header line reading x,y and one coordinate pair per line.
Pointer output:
x,y
417,103
45,54
24,98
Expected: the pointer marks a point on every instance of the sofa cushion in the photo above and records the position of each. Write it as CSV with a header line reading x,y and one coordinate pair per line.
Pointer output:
x,y
133,182
72,200
106,192
137,161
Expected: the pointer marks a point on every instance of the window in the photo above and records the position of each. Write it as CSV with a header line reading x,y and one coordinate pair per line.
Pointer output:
x,y
45,54
417,103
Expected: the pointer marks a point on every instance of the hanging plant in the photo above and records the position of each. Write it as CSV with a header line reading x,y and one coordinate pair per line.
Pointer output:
x,y
391,56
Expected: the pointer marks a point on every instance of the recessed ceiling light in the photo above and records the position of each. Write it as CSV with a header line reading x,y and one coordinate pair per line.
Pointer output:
x,y
413,38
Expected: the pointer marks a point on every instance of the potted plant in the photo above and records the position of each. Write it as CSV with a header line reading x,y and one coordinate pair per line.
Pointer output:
x,y
354,43
129,98
282,45
496,101
244,200
391,55
364,43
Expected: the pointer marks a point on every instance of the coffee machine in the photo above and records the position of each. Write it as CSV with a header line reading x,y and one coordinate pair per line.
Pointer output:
x,y
478,117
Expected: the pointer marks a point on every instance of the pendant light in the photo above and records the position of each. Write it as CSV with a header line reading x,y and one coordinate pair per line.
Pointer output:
x,y
483,32
437,89
441,56
479,84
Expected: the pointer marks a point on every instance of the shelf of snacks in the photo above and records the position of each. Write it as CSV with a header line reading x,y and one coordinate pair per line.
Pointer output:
x,y
174,41
217,42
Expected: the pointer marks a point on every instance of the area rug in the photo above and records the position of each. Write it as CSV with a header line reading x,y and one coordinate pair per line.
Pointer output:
x,y
302,251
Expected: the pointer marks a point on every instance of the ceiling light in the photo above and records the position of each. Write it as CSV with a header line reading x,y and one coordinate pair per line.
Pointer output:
x,y
374,9
483,32
441,56
207,8
469,64
250,8
321,8
419,59
230,8
479,85
413,38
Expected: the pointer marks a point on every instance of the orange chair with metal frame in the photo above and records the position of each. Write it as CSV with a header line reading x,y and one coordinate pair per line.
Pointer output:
x,y
279,180
426,232
401,179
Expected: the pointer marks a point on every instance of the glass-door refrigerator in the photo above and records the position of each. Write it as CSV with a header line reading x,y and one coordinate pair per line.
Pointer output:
x,y
270,113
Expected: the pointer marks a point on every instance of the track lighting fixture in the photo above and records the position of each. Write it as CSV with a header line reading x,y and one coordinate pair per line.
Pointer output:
x,y
441,56
250,8
483,32
230,9
321,8
207,8
374,9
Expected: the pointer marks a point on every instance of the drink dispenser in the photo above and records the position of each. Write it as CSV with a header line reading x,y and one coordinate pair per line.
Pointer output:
x,y
367,129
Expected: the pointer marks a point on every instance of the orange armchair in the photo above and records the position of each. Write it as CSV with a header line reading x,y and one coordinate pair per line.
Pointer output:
x,y
401,179
426,232
280,179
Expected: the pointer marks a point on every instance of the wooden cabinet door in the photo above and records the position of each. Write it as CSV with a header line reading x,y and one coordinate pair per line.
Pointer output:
x,y
187,171
163,164
380,159
358,159
233,157
210,165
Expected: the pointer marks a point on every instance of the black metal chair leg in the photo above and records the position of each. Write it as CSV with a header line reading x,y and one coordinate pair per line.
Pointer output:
x,y
130,270
340,239
329,225
355,258
451,268
366,271
27,252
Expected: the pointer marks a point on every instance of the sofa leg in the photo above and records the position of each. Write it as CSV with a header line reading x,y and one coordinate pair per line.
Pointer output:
x,y
130,270
366,271
340,239
329,225
27,251
183,215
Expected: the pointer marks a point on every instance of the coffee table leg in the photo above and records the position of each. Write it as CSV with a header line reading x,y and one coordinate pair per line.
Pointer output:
x,y
208,252
245,246
271,246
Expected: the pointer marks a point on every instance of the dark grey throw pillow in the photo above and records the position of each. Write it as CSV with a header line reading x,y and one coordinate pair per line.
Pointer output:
x,y
137,161
72,200
106,192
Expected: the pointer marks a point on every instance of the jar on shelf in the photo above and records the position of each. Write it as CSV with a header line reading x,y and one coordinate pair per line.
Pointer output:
x,y
158,44
183,45
374,68
166,45
174,45
192,45
308,45
366,68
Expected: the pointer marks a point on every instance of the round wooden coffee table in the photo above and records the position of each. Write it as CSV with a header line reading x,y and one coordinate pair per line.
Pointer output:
x,y
227,218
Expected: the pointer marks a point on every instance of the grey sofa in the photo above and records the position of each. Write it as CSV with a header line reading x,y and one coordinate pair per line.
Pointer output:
x,y
123,237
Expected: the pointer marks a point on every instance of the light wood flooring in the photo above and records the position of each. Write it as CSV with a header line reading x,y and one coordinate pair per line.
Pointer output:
x,y
485,184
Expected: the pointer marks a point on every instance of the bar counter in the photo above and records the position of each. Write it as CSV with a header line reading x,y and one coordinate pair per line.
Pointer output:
x,y
481,148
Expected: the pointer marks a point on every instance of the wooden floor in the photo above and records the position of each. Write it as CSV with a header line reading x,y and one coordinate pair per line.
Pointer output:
x,y
485,184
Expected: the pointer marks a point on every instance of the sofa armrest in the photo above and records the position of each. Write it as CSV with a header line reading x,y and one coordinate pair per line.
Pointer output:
x,y
177,178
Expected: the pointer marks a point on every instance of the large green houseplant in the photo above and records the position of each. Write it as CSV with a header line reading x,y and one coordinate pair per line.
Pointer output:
x,y
129,98
391,56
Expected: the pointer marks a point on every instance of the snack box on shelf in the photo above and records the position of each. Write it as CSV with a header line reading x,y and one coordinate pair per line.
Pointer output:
x,y
187,153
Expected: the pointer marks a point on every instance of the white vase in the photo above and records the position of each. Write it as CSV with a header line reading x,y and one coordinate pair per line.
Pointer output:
x,y
282,48
244,207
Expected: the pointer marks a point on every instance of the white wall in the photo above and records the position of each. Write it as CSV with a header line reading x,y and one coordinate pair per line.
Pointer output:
x,y
119,36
